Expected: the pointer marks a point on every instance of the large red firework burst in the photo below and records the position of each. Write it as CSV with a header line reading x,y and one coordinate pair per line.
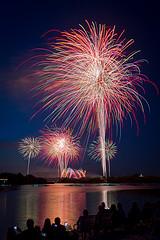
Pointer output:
x,y
86,69
88,78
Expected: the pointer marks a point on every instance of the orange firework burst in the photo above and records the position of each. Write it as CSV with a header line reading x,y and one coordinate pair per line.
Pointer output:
x,y
60,147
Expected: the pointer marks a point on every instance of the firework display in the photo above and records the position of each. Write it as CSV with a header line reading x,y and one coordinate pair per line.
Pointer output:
x,y
60,147
88,78
73,173
29,147
95,151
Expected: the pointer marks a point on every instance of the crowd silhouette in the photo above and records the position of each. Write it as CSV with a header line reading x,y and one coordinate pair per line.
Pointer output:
x,y
109,223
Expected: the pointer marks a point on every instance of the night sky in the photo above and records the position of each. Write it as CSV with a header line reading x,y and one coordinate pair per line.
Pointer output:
x,y
22,24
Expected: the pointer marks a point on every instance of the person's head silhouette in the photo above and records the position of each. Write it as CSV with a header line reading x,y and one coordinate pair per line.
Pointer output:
x,y
57,221
30,223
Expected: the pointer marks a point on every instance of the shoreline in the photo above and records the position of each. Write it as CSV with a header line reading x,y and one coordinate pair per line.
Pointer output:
x,y
20,179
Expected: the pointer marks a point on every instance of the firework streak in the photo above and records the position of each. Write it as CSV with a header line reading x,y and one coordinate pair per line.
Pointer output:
x,y
87,78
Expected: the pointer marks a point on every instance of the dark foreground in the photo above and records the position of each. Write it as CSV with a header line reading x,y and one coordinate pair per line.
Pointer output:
x,y
111,224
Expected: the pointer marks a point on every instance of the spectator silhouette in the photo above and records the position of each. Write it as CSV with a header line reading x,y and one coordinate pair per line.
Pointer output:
x,y
114,216
121,214
147,213
99,221
46,230
156,220
38,232
84,225
106,216
30,233
58,231
104,210
134,214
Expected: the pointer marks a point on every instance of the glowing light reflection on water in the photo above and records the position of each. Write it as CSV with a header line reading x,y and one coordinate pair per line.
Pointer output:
x,y
66,201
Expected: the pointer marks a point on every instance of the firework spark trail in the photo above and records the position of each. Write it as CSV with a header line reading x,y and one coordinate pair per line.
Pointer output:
x,y
110,149
60,147
88,78
102,130
29,147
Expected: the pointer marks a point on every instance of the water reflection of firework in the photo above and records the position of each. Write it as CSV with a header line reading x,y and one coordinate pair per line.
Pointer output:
x,y
29,147
60,147
89,74
95,151
73,173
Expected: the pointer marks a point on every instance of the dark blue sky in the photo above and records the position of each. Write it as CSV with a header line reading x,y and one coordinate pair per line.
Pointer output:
x,y
22,23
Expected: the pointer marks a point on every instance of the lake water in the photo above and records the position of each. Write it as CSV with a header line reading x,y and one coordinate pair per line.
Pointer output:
x,y
66,201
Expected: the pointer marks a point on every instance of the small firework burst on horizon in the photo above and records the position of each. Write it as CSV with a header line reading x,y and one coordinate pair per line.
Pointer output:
x,y
73,173
29,147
